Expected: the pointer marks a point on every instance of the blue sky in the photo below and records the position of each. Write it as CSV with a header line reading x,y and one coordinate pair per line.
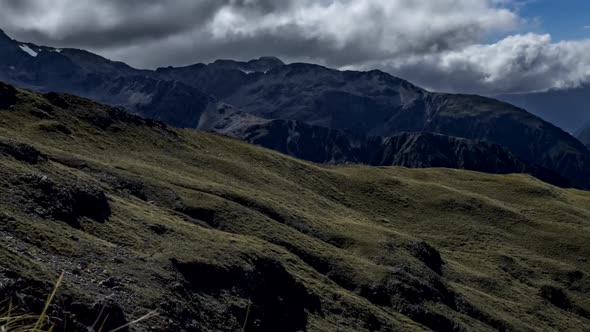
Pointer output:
x,y
563,19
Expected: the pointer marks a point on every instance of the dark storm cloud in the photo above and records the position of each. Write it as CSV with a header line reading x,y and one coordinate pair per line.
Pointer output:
x,y
427,41
106,23
344,25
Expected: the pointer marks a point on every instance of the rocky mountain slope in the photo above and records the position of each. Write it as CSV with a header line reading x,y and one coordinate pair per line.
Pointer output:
x,y
344,107
377,104
413,150
584,135
215,234
89,75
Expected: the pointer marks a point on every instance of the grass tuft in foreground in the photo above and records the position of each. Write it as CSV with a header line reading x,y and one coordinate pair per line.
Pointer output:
x,y
12,321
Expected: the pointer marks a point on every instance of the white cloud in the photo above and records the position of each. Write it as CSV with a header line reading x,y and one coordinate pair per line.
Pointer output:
x,y
336,32
518,63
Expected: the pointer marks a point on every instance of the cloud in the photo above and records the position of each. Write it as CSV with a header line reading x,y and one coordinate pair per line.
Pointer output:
x,y
335,32
104,24
519,63
438,43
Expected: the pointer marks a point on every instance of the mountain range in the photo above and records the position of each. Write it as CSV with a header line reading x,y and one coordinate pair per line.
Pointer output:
x,y
567,108
313,112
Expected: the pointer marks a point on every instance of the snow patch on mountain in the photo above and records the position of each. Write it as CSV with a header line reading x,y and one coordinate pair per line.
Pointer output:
x,y
28,50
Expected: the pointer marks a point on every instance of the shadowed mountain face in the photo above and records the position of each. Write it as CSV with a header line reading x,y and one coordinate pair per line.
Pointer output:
x,y
413,150
584,136
367,104
333,115
567,108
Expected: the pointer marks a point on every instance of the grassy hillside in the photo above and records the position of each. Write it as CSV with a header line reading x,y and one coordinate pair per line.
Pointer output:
x,y
216,234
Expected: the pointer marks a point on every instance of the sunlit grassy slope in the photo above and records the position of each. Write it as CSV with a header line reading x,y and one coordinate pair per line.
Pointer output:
x,y
201,224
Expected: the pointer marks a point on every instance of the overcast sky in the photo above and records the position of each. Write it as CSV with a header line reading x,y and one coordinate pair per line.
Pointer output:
x,y
481,46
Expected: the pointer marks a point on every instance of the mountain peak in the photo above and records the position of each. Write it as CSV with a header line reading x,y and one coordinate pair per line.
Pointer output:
x,y
265,63
260,65
4,37
270,60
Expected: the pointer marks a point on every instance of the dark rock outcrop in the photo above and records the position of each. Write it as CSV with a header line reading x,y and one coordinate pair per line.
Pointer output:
x,y
428,255
7,96
66,202
276,301
21,152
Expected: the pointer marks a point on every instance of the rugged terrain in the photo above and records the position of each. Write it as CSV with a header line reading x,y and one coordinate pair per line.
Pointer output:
x,y
204,229
584,135
376,104
263,100
413,150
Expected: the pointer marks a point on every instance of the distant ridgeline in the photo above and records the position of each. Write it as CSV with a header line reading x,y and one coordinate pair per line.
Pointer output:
x,y
315,113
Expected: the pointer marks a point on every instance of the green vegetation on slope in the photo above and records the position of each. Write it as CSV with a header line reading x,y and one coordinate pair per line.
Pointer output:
x,y
142,217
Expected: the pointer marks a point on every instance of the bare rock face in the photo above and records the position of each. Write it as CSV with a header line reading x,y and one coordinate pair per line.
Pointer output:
x,y
428,255
7,96
21,152
276,300
45,197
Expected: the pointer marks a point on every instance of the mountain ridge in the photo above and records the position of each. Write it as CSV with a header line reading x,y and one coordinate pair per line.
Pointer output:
x,y
565,108
367,104
407,109
413,150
